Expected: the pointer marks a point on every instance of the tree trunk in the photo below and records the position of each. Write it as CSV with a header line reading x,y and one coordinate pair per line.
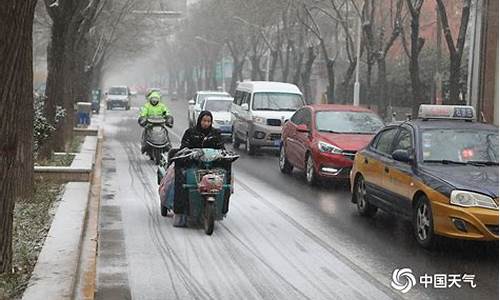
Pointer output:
x,y
298,68
16,115
417,43
345,86
330,90
286,67
306,74
274,62
382,87
237,69
454,84
455,52
55,75
256,73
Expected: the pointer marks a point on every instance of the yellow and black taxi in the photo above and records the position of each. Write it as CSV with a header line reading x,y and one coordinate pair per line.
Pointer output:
x,y
440,171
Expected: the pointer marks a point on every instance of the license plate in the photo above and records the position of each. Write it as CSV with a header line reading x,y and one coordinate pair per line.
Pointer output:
x,y
277,142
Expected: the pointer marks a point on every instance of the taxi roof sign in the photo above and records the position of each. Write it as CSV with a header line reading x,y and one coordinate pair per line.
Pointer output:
x,y
451,112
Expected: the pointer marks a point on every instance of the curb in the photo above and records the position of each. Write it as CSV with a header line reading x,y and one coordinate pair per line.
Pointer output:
x,y
55,272
81,168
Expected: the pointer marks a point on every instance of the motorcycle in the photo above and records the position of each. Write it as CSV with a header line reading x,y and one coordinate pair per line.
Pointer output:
x,y
208,184
155,137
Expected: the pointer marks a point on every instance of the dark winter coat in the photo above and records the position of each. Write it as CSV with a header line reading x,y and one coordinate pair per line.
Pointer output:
x,y
197,137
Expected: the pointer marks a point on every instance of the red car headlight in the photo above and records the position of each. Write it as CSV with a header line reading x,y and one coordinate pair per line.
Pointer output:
x,y
328,148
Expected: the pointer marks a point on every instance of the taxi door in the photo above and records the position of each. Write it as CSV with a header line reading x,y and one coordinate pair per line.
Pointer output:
x,y
399,182
374,165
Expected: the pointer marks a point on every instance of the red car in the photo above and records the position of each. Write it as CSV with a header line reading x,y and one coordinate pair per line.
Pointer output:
x,y
323,139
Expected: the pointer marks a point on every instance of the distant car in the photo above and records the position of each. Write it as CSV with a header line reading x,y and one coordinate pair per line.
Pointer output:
x,y
440,171
118,96
259,110
322,140
194,108
220,107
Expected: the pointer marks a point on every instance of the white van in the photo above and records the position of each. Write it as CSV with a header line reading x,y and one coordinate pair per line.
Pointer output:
x,y
259,108
118,96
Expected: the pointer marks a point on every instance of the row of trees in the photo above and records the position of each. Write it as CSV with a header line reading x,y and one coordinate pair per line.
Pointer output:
x,y
295,40
84,36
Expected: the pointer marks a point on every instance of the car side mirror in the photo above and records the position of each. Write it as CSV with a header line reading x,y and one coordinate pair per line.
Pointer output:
x,y
402,156
191,102
303,128
244,106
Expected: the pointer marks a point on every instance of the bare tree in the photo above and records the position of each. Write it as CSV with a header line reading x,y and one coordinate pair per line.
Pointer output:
x,y
456,52
416,44
325,50
376,41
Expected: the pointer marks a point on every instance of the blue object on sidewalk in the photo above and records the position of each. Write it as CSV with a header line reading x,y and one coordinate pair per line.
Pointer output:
x,y
84,118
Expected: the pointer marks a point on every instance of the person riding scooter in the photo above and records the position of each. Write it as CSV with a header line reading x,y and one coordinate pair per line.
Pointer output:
x,y
203,135
152,108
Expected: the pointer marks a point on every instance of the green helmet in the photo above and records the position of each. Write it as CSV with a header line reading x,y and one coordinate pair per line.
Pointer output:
x,y
154,97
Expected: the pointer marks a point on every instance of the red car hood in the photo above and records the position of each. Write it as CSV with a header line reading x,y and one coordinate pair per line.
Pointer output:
x,y
350,142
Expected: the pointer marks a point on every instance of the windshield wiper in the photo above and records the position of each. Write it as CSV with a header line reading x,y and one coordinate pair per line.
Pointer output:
x,y
445,161
482,162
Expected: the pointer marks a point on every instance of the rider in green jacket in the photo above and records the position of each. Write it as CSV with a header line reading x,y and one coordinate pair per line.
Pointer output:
x,y
152,108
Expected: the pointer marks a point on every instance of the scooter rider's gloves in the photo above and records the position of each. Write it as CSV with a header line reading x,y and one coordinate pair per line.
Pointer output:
x,y
142,121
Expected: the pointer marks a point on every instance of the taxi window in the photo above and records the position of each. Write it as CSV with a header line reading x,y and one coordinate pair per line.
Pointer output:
x,y
383,142
403,141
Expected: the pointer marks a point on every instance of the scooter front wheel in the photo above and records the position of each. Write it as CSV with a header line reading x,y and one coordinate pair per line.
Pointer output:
x,y
209,220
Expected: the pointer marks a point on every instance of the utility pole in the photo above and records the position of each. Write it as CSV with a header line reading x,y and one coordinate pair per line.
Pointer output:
x,y
438,77
223,66
473,77
358,53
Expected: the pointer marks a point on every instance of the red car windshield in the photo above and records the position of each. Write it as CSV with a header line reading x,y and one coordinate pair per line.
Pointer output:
x,y
348,122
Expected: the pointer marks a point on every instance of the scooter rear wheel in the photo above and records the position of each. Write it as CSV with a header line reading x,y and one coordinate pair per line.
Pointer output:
x,y
209,219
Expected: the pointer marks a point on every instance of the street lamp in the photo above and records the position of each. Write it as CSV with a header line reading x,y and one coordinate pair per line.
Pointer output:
x,y
199,38
358,51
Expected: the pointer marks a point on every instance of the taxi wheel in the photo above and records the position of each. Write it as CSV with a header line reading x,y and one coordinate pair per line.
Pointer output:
x,y
285,166
365,208
423,223
311,176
